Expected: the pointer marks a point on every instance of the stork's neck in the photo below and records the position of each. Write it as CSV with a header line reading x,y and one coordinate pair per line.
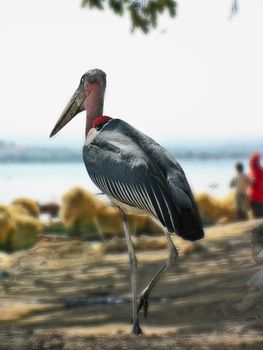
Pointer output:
x,y
94,106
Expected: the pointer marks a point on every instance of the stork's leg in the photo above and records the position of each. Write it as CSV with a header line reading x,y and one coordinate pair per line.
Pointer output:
x,y
136,329
173,253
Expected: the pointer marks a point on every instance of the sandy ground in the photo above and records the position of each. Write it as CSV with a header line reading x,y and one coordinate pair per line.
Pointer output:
x,y
68,295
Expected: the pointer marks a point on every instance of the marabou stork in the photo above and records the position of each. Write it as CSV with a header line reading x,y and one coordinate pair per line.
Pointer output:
x,y
136,173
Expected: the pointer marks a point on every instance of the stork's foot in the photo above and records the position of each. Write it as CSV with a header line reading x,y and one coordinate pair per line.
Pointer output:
x,y
144,304
136,329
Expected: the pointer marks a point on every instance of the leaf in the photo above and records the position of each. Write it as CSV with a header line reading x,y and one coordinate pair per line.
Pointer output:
x,y
93,3
117,6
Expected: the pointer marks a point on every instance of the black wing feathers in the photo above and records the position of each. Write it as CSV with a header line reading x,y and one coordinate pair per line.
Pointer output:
x,y
134,169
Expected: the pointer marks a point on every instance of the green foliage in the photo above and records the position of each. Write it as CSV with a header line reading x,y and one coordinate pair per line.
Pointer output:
x,y
84,228
54,227
143,14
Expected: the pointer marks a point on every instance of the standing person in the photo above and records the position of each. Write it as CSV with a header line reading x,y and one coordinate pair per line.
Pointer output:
x,y
255,192
241,182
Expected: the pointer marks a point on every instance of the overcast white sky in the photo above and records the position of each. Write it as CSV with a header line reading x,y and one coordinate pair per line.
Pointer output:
x,y
197,76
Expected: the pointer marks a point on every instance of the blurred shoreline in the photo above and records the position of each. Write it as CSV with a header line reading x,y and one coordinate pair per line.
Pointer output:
x,y
48,181
45,173
11,152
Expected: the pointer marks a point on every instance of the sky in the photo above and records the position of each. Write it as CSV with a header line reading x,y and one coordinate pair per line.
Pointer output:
x,y
197,76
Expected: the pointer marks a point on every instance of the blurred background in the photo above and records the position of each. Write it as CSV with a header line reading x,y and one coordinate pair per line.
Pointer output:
x,y
193,83
192,79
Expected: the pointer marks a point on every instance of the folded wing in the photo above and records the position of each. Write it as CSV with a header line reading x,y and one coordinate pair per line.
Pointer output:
x,y
131,167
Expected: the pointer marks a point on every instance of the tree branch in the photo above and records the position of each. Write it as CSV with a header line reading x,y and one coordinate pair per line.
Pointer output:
x,y
234,8
143,13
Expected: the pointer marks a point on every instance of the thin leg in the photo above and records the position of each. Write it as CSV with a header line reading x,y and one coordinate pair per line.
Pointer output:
x,y
136,329
173,253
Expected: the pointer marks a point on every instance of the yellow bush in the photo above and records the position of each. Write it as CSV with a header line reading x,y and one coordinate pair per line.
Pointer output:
x,y
6,224
212,209
84,214
17,209
109,222
29,205
25,232
229,207
79,204
18,230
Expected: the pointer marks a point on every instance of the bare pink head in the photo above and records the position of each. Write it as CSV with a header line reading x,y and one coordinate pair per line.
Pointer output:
x,y
89,96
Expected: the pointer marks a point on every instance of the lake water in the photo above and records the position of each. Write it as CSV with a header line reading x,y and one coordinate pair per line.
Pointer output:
x,y
48,181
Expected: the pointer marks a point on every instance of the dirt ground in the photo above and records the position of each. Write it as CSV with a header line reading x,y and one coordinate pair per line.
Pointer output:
x,y
65,294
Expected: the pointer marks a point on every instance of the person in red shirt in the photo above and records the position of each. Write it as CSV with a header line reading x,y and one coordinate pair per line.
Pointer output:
x,y
255,190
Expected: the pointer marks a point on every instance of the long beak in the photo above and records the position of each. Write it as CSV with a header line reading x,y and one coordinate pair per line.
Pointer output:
x,y
74,106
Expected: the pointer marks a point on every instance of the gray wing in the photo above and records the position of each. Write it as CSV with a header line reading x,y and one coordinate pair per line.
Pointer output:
x,y
134,169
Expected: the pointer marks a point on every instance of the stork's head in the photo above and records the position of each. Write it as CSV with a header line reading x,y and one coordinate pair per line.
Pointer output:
x,y
89,96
